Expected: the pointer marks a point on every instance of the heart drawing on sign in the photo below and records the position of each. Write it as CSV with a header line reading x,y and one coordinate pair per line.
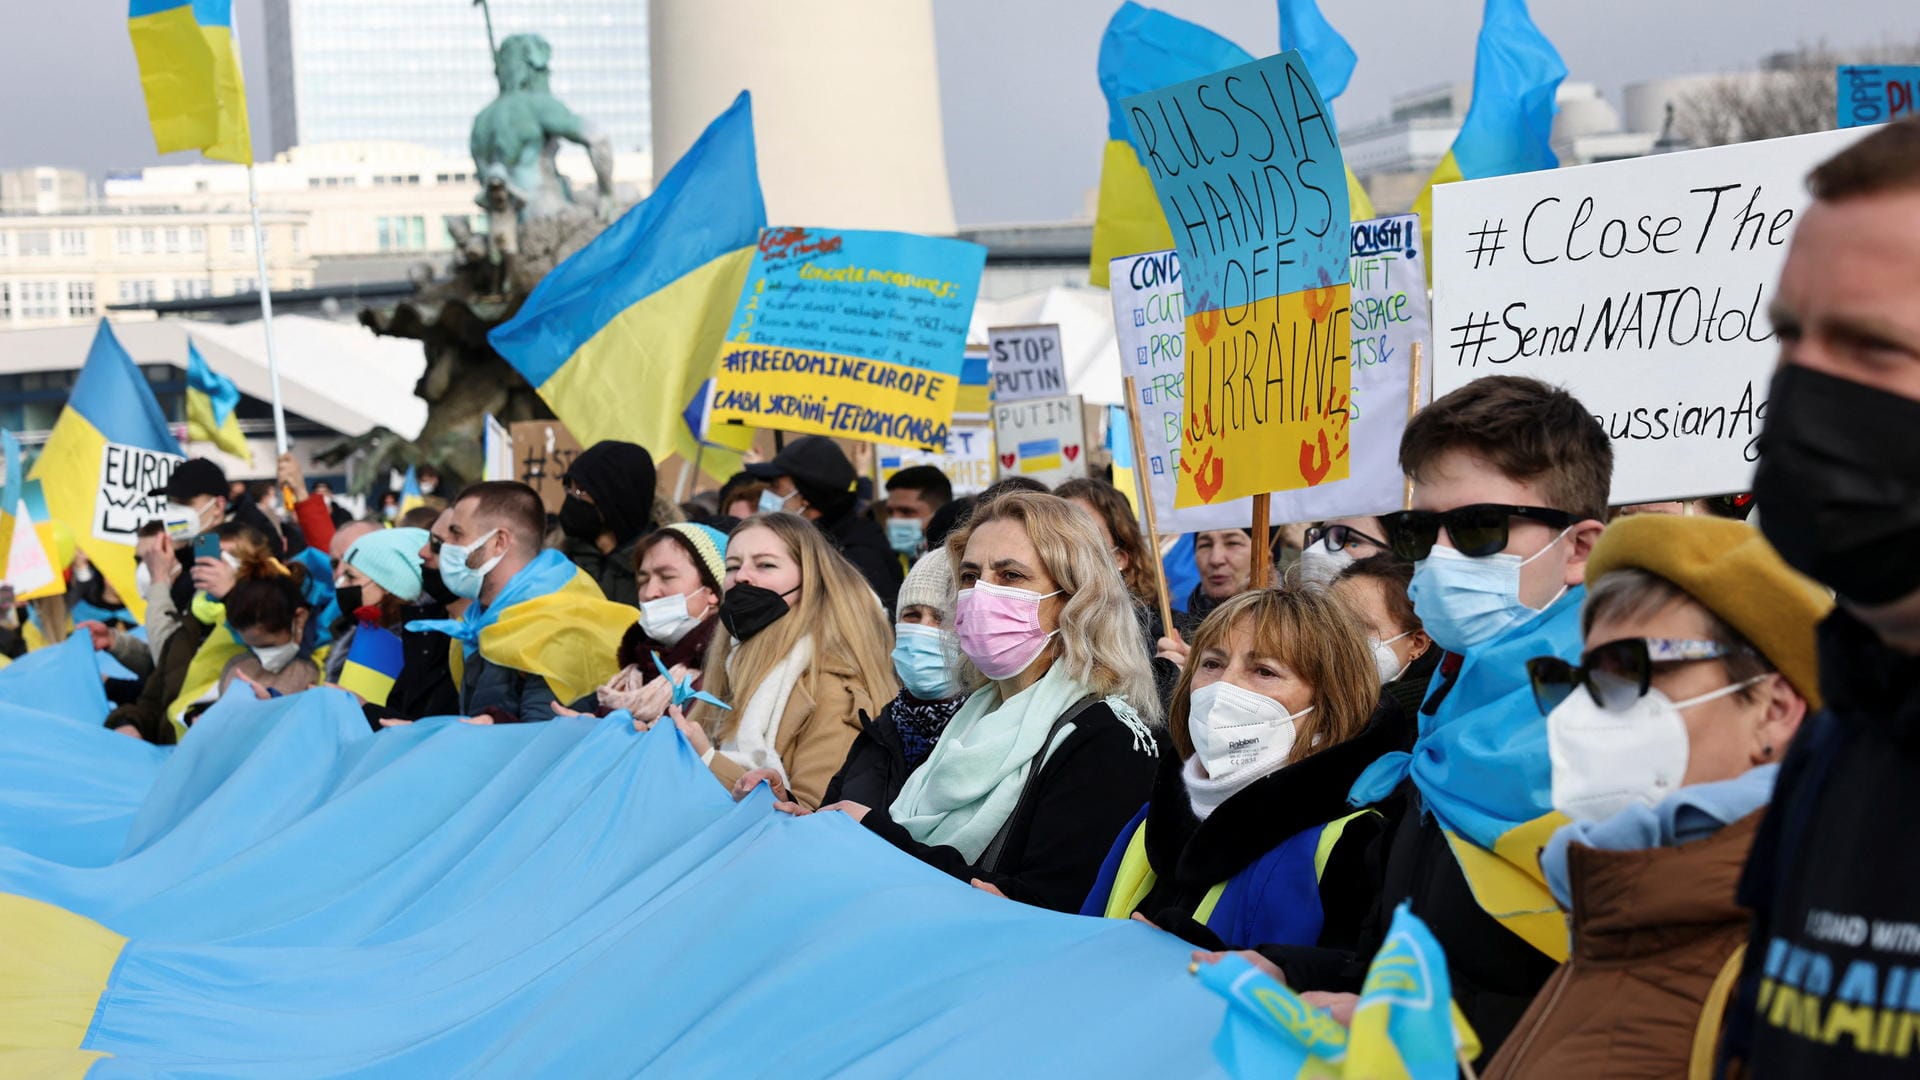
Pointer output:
x,y
1071,451
1006,461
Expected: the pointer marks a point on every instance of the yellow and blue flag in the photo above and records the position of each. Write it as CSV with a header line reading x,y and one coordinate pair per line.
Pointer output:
x,y
1120,445
109,448
211,403
1039,455
735,437
1509,124
373,663
410,496
620,336
27,544
975,400
190,72
1142,50
1330,60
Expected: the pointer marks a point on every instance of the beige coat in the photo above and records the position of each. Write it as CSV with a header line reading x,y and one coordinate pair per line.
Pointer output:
x,y
815,734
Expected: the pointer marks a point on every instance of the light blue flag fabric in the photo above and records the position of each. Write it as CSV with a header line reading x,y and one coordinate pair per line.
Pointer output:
x,y
304,896
1330,60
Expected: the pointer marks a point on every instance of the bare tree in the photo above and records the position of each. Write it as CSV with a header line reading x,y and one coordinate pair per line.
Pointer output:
x,y
1792,94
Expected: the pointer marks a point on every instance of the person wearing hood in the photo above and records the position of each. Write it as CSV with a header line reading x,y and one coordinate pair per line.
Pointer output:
x,y
1666,739
383,583
681,570
811,477
608,508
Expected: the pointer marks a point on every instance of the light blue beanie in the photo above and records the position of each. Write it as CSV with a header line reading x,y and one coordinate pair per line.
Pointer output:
x,y
391,557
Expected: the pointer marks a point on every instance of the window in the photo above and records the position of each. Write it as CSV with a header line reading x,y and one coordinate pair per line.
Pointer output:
x,y
404,233
413,179
6,241
201,187
313,181
6,301
35,242
149,240
123,241
379,181
40,300
296,282
46,185
197,239
173,241
299,238
191,288
73,241
243,285
80,298
136,292
236,238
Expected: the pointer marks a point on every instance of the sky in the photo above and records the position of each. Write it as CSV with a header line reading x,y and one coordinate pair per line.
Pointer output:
x,y
1024,119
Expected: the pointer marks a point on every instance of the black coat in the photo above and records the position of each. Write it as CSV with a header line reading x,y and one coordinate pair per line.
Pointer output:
x,y
612,570
1089,787
1189,856
865,545
424,686
877,766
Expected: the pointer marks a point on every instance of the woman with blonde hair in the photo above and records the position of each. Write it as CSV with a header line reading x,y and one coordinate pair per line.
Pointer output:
x,y
1248,838
1052,750
806,650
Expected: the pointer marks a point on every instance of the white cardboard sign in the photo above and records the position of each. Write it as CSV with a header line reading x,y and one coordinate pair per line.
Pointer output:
x,y
127,474
1642,287
1026,362
1044,439
967,459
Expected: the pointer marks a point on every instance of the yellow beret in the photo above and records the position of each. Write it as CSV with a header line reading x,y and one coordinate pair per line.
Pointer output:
x,y
1731,570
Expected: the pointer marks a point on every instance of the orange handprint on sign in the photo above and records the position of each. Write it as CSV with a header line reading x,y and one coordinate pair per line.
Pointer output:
x,y
1314,467
1207,324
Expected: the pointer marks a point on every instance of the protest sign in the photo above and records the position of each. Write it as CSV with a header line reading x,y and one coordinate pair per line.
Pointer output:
x,y
496,450
1249,173
127,476
967,459
1044,438
854,334
1026,362
1877,94
974,405
1642,287
543,450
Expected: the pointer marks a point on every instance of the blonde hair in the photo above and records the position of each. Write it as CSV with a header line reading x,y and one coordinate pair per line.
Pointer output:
x,y
1099,640
835,607
1312,633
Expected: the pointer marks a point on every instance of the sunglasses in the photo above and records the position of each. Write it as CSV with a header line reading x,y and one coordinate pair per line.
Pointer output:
x,y
1477,531
1616,674
1339,536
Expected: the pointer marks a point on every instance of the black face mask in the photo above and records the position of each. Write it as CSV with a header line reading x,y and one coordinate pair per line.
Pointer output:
x,y
431,585
748,609
349,599
581,519
1839,484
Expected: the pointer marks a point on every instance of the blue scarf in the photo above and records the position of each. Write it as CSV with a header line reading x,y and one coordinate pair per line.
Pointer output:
x,y
1480,760
548,573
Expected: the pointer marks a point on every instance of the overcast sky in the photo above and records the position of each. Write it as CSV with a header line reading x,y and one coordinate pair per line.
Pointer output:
x,y
1024,117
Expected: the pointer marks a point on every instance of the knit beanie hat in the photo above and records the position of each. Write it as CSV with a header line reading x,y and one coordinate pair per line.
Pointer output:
x,y
930,582
1728,568
391,557
709,547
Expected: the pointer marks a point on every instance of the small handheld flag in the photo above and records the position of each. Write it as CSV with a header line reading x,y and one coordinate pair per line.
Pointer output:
x,y
373,663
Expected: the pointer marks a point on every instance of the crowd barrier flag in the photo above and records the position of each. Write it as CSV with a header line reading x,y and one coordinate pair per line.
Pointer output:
x,y
190,72
620,336
110,448
211,400
1509,124
1142,49
1331,61
26,534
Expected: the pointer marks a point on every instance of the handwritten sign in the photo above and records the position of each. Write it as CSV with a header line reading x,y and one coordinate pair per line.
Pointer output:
x,y
1642,287
543,451
127,475
1249,173
967,459
850,333
1044,438
1875,95
1026,362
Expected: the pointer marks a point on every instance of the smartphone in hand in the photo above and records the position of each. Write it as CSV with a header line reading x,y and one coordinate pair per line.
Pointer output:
x,y
206,546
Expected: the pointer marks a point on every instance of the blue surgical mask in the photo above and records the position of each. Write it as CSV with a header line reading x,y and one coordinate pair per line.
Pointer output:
x,y
771,502
1463,602
463,580
905,535
920,659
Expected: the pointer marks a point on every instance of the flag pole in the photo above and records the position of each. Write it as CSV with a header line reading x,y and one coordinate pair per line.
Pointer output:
x,y
266,310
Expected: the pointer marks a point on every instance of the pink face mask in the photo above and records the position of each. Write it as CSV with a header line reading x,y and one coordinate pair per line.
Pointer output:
x,y
999,628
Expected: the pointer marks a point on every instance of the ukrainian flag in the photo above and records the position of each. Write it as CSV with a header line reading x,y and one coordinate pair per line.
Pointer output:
x,y
1120,445
1406,1025
211,400
1143,49
619,337
190,71
31,564
735,437
373,663
410,496
1330,60
1509,124
111,403
1039,455
976,386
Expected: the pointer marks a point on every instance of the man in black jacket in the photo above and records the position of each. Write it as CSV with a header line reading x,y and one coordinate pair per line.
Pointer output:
x,y
201,487
1831,985
812,478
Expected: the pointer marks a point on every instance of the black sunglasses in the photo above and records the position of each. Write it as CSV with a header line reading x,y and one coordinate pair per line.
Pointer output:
x,y
1616,674
1339,536
1477,530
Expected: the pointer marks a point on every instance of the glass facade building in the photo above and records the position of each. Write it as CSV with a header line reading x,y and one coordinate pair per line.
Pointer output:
x,y
417,70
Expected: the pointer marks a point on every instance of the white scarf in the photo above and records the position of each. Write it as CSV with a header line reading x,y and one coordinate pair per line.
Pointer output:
x,y
752,744
1208,793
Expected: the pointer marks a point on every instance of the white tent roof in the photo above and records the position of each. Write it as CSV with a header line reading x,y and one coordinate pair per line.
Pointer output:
x,y
337,374
1085,316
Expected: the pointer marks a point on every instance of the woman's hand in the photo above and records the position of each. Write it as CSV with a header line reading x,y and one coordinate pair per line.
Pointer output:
x,y
562,710
1340,1005
100,632
852,809
213,577
290,477
988,887
482,720
695,734
650,702
393,721
752,778
1172,648
792,809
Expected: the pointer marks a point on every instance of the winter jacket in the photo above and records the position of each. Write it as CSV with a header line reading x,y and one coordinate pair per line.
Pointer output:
x,y
865,545
147,714
613,570
815,732
880,760
1653,932
1082,795
1410,689
424,686
507,695
316,520
1831,982
1283,861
